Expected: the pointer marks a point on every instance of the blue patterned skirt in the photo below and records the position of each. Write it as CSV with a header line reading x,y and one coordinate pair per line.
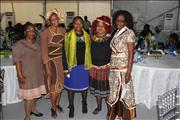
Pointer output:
x,y
78,80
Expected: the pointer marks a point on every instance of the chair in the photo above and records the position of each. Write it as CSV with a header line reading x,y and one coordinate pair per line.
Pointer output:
x,y
1,91
168,105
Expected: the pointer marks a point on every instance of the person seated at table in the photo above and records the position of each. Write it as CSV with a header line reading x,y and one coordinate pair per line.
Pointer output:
x,y
29,71
172,43
159,37
145,37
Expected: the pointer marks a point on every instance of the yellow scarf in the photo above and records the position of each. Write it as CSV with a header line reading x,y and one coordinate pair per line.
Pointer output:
x,y
70,49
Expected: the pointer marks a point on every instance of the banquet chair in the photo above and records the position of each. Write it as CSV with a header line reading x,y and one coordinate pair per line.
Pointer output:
x,y
168,105
1,91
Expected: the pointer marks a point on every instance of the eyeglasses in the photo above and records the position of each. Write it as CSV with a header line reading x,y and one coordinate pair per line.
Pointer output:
x,y
120,21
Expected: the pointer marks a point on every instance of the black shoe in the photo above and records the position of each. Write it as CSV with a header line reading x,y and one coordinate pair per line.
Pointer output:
x,y
71,112
84,107
36,114
96,111
59,108
53,113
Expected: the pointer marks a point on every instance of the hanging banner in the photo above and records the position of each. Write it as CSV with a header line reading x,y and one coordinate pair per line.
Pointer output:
x,y
169,20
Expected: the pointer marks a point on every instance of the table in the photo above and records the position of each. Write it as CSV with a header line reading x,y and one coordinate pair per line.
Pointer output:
x,y
153,77
11,85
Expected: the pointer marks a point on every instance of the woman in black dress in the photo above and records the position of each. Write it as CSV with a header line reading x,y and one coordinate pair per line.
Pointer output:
x,y
100,53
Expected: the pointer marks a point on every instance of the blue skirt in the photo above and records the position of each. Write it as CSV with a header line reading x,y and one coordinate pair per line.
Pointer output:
x,y
79,79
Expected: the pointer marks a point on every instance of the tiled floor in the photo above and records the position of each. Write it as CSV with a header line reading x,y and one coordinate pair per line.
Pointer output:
x,y
16,111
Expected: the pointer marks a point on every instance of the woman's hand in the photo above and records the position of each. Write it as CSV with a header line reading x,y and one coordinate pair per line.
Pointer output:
x,y
127,77
49,73
66,73
22,79
19,70
48,70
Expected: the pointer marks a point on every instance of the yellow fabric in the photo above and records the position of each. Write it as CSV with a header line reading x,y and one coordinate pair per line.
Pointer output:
x,y
70,49
148,38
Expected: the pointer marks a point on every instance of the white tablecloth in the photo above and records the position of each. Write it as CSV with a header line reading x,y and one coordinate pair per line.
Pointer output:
x,y
153,77
11,85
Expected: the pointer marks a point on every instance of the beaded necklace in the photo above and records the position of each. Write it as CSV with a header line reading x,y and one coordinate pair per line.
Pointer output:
x,y
54,33
101,39
80,38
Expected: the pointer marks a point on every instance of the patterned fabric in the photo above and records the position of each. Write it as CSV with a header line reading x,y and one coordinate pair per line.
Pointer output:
x,y
52,50
99,84
118,87
118,67
1,80
99,72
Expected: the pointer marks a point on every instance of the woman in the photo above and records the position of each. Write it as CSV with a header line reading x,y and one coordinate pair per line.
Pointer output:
x,y
100,52
78,56
51,42
172,42
145,37
29,71
121,98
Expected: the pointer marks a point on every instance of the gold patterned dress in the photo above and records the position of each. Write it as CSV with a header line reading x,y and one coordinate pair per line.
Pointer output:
x,y
119,91
52,50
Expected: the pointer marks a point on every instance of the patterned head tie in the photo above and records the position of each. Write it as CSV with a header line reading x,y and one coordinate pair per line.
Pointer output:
x,y
59,14
103,22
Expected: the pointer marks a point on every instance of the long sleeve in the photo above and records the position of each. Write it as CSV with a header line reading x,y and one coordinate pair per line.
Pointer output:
x,y
44,47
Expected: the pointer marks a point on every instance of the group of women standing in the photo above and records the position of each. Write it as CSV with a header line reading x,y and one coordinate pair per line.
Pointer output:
x,y
77,61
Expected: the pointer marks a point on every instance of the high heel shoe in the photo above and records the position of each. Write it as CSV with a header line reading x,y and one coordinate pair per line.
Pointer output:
x,y
71,111
96,111
53,113
84,107
59,108
36,114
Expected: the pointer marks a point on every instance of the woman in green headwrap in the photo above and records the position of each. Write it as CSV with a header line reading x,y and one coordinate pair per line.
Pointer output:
x,y
78,57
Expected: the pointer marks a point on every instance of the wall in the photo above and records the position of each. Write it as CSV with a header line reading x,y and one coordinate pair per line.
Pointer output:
x,y
30,10
63,7
24,11
146,10
93,9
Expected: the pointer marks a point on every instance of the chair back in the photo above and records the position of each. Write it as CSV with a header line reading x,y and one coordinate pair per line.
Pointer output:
x,y
168,105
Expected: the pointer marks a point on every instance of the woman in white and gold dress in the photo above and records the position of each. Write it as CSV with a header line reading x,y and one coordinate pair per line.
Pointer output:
x,y
121,98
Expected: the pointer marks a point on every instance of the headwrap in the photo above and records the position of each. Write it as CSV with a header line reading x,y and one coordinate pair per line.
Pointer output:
x,y
103,19
70,49
99,20
59,14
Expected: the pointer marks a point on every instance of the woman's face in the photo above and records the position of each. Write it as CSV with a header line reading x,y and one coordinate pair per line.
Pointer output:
x,y
120,22
171,40
54,20
30,33
78,24
100,29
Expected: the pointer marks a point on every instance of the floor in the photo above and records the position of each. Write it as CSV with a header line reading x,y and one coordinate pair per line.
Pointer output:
x,y
16,111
